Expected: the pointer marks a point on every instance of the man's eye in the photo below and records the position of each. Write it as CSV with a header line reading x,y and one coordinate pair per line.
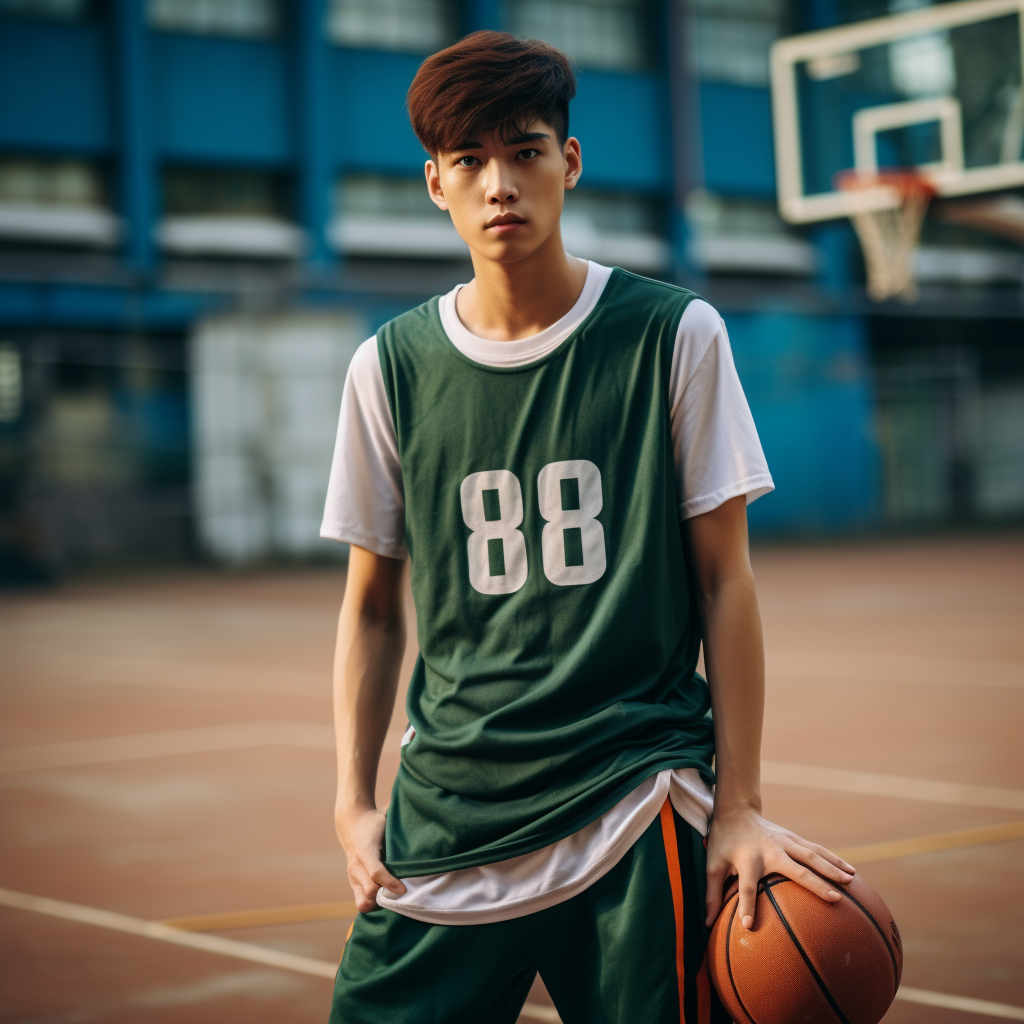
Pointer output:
x,y
528,154
468,161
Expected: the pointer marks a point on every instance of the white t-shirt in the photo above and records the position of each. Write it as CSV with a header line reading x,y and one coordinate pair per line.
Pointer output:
x,y
717,457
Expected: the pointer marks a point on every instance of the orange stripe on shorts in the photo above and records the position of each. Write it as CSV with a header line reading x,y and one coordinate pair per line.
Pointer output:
x,y
703,993
675,879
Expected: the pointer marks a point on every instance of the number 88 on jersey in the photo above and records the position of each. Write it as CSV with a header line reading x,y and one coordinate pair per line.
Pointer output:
x,y
572,543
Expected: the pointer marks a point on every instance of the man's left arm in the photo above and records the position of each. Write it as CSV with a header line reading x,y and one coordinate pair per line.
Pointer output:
x,y
741,842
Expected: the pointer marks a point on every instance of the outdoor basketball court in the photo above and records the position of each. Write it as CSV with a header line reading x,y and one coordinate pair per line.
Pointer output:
x,y
167,758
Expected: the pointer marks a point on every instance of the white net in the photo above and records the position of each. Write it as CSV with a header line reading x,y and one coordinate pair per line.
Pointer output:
x,y
890,237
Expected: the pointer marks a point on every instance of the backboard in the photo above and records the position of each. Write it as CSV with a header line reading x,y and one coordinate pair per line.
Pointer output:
x,y
937,89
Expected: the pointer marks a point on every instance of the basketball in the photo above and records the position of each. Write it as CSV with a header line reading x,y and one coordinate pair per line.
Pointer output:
x,y
806,960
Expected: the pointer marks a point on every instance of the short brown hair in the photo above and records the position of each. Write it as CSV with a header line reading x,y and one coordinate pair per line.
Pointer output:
x,y
489,81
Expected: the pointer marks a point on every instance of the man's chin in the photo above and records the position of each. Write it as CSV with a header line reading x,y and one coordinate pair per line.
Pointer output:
x,y
512,250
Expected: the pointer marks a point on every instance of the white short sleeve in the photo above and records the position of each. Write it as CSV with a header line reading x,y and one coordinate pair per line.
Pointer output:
x,y
717,452
365,496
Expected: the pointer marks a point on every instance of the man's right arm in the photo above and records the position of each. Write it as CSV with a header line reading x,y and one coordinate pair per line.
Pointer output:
x,y
367,660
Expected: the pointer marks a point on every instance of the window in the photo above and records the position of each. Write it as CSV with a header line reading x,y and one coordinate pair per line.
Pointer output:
x,y
192,191
382,216
52,201
377,196
416,26
615,211
613,34
732,39
41,182
244,18
744,236
620,228
227,212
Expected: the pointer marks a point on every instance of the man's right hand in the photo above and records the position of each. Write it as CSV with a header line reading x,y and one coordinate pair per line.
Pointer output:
x,y
361,833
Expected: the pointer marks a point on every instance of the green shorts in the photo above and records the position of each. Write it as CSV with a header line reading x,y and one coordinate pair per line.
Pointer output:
x,y
629,948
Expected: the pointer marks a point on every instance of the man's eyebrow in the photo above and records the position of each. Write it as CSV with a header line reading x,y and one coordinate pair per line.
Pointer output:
x,y
518,140
527,137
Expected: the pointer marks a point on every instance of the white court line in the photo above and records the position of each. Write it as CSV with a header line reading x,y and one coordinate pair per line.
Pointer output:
x,y
197,940
194,675
901,786
894,668
321,737
164,933
965,1003
161,744
325,969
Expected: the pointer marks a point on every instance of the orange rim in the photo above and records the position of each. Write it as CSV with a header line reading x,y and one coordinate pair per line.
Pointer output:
x,y
907,183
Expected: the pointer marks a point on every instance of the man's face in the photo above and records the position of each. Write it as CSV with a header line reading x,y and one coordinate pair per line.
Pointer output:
x,y
505,200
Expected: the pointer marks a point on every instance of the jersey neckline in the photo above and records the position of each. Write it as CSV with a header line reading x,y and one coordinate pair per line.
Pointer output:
x,y
523,352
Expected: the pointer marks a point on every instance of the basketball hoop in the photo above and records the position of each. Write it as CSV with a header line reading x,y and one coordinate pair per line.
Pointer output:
x,y
888,224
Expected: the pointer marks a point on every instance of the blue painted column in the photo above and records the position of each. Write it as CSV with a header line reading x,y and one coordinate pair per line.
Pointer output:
x,y
481,14
312,153
137,170
683,120
836,244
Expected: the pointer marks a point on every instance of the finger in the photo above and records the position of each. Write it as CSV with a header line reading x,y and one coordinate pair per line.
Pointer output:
x,y
385,879
748,897
364,903
364,887
817,863
713,901
355,881
826,854
810,881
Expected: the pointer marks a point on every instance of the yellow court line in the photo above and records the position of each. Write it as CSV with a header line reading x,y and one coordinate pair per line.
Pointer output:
x,y
261,918
933,844
343,911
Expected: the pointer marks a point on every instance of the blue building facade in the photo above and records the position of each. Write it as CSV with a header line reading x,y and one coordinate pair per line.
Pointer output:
x,y
167,161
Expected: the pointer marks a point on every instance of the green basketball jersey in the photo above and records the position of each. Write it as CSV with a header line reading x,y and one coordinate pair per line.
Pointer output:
x,y
558,635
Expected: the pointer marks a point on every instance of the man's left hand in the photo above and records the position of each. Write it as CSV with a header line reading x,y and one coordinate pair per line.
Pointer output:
x,y
744,845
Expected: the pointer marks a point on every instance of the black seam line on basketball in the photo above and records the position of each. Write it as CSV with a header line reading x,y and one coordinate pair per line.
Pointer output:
x,y
728,963
807,960
878,928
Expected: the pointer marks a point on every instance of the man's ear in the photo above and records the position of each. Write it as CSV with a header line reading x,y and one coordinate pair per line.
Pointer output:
x,y
573,161
434,185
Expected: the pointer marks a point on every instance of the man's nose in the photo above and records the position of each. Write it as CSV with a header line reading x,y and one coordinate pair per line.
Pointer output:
x,y
500,187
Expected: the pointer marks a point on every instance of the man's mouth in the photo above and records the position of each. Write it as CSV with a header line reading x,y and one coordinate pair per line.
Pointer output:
x,y
504,223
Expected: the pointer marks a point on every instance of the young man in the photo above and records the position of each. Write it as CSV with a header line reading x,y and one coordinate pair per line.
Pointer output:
x,y
533,441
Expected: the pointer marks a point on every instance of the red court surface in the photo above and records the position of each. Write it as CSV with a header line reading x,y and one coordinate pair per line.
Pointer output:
x,y
166,754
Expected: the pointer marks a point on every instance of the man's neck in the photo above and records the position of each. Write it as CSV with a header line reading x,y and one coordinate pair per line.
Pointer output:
x,y
509,301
